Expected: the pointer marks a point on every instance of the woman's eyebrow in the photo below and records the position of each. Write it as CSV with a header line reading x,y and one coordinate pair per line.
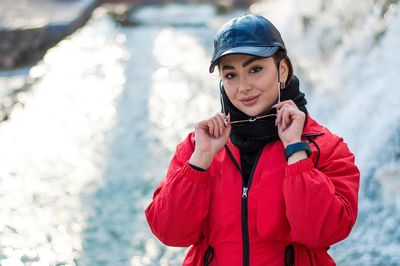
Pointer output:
x,y
226,67
251,60
246,63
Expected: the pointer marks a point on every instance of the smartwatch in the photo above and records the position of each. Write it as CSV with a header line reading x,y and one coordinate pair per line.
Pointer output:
x,y
295,147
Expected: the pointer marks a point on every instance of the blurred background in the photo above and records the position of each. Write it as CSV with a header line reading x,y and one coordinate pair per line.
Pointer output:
x,y
95,96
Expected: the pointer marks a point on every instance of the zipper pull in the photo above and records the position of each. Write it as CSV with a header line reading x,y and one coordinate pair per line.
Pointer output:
x,y
244,194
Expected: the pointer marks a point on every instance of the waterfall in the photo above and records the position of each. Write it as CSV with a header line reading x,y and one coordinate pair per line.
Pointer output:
x,y
345,53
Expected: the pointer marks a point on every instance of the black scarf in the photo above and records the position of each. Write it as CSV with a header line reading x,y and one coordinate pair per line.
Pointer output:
x,y
251,137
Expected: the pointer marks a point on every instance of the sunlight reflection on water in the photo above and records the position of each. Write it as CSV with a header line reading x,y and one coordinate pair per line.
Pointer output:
x,y
54,149
104,110
118,107
182,89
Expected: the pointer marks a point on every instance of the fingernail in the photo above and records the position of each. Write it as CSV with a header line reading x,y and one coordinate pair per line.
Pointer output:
x,y
225,122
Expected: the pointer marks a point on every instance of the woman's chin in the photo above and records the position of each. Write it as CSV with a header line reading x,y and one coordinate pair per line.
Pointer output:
x,y
255,112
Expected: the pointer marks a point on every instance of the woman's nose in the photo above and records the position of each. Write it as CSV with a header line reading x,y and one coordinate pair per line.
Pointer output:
x,y
244,85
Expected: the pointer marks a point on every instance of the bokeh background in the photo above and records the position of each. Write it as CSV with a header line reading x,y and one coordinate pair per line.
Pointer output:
x,y
95,95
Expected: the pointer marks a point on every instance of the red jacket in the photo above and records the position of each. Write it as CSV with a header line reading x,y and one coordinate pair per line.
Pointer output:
x,y
310,205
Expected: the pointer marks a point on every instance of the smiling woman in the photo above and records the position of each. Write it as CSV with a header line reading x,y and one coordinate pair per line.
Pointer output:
x,y
261,183
250,82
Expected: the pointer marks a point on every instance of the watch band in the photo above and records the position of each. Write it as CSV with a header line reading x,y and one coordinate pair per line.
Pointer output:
x,y
295,147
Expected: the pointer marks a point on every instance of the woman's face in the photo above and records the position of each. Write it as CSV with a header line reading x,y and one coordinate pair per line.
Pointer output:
x,y
250,82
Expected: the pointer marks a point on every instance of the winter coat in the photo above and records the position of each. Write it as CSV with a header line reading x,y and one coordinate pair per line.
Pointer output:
x,y
304,207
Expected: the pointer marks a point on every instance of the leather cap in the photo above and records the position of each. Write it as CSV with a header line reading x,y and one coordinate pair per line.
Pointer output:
x,y
248,34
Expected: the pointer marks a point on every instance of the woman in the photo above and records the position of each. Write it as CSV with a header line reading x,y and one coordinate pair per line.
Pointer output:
x,y
261,183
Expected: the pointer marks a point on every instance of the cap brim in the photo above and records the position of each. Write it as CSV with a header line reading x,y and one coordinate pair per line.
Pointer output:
x,y
249,50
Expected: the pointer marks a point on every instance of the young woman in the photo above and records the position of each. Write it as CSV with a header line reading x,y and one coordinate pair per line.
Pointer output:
x,y
261,183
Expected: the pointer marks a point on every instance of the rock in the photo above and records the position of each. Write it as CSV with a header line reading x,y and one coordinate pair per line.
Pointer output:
x,y
29,28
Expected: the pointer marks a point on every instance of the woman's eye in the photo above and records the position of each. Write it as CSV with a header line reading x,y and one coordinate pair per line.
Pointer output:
x,y
255,69
230,76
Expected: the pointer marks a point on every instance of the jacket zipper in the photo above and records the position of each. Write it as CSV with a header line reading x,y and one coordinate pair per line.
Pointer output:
x,y
245,230
245,194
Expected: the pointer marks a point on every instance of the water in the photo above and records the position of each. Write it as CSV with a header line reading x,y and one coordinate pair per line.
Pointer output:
x,y
345,55
103,112
374,131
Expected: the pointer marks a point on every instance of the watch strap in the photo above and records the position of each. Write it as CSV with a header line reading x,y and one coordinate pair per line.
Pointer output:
x,y
295,147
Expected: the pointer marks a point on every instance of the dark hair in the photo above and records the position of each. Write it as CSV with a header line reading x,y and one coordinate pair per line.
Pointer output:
x,y
282,55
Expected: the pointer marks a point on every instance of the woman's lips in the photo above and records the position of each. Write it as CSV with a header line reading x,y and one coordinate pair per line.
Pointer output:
x,y
248,101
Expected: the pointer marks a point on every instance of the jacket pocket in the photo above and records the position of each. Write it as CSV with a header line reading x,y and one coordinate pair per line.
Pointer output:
x,y
272,223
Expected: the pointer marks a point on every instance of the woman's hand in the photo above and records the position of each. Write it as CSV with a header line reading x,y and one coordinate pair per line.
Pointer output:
x,y
290,122
210,136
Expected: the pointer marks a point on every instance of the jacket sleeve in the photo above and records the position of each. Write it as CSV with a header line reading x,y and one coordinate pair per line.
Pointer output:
x,y
180,203
322,202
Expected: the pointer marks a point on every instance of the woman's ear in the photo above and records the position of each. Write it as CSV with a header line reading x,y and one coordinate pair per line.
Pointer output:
x,y
283,71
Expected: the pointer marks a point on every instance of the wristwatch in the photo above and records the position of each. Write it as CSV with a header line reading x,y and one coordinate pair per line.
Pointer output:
x,y
295,147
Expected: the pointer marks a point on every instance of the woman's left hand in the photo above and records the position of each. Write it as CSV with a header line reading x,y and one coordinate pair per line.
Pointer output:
x,y
290,122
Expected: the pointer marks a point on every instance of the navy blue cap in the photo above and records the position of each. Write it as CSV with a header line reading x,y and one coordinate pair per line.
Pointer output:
x,y
248,34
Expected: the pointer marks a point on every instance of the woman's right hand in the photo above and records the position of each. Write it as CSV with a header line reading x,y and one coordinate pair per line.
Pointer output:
x,y
210,136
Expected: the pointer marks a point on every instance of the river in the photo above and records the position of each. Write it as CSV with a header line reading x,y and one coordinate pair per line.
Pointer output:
x,y
105,108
